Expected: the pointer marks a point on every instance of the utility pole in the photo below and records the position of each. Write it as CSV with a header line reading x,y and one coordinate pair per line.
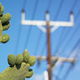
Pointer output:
x,y
48,47
48,23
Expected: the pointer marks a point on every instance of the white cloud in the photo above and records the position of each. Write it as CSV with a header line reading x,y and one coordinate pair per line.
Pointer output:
x,y
38,77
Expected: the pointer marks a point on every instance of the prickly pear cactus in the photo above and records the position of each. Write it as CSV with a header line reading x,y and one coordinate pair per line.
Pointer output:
x,y
4,25
19,69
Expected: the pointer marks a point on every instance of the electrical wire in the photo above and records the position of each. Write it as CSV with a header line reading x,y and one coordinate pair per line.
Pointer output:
x,y
76,29
62,65
75,57
72,64
56,16
60,5
19,31
38,42
58,10
65,31
70,53
30,27
24,4
18,38
49,5
40,35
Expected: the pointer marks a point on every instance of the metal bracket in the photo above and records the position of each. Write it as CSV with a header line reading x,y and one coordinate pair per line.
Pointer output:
x,y
40,24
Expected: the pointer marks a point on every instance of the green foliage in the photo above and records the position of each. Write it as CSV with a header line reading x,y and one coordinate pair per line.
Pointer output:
x,y
11,60
32,60
6,26
26,56
20,66
1,31
19,69
5,18
1,9
12,73
30,73
19,59
5,38
0,16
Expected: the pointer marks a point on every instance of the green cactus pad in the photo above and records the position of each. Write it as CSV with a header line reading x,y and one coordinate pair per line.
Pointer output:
x,y
5,38
12,73
32,60
11,59
2,10
6,26
19,59
1,16
30,73
18,69
5,18
26,56
1,31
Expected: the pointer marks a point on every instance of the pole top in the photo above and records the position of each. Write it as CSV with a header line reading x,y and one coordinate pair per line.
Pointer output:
x,y
71,12
47,12
22,11
47,15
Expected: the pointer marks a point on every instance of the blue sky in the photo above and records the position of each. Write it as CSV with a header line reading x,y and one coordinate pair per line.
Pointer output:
x,y
63,40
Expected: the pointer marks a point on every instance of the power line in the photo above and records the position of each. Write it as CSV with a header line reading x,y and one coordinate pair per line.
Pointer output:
x,y
62,65
24,4
49,4
73,34
30,27
60,6
18,39
63,31
40,36
19,30
61,35
68,31
38,42
71,52
72,64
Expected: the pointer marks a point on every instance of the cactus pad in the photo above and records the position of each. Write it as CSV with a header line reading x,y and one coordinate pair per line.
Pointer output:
x,y
1,31
5,38
4,25
11,59
30,73
18,70
32,60
19,59
5,18
12,73
20,66
25,56
1,9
